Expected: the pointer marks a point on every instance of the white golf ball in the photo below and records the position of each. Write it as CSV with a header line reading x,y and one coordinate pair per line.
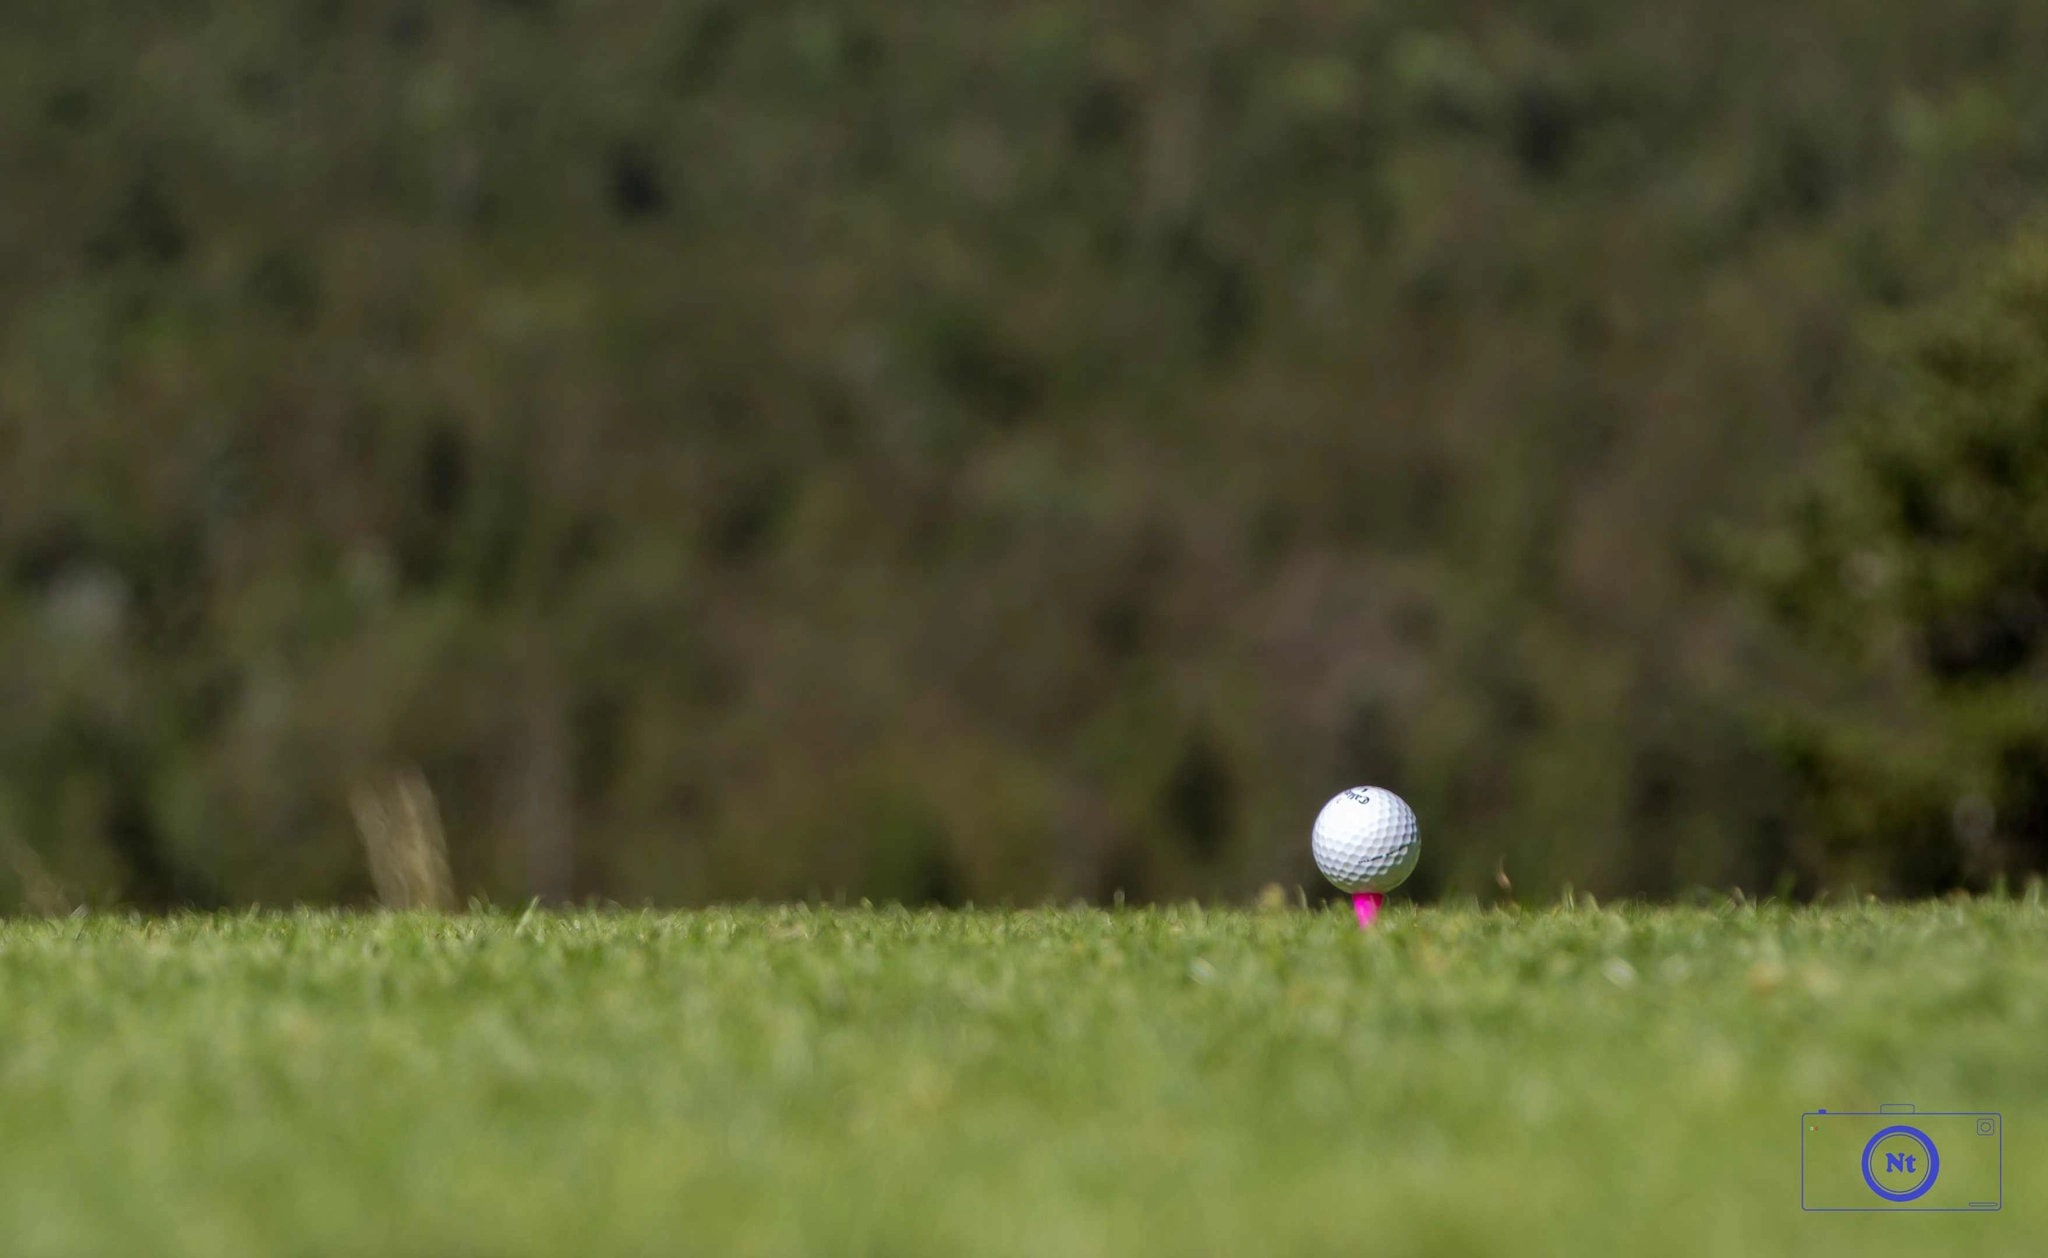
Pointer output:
x,y
1366,840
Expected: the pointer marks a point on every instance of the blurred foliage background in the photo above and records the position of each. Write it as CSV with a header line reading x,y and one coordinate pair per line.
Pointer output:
x,y
1009,451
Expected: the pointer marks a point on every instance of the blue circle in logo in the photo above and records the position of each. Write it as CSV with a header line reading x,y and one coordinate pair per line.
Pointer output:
x,y
1919,1190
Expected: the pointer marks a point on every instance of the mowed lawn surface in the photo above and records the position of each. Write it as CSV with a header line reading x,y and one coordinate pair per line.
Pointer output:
x,y
877,1082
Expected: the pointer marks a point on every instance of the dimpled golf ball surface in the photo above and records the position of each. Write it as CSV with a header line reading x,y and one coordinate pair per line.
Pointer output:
x,y
1366,840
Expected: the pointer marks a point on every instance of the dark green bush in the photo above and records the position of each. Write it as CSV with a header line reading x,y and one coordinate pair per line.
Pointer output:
x,y
1919,560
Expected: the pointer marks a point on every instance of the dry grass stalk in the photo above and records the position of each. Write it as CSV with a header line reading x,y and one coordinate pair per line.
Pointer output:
x,y
401,829
41,893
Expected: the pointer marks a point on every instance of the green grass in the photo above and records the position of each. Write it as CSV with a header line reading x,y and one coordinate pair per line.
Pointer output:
x,y
1178,1082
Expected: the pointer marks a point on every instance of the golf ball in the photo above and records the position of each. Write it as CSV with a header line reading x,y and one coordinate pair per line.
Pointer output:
x,y
1366,840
